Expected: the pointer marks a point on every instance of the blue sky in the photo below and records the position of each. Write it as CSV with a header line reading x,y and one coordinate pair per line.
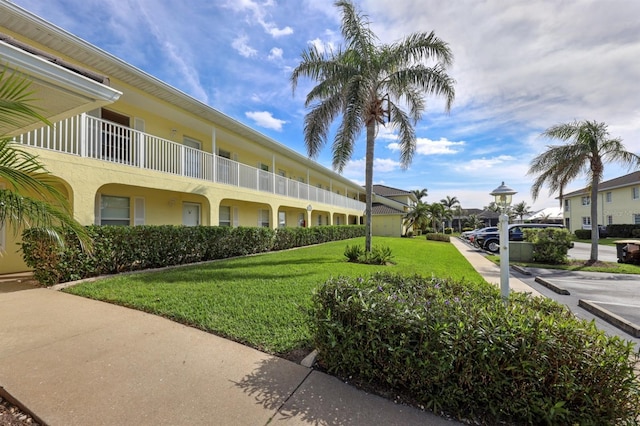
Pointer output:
x,y
521,66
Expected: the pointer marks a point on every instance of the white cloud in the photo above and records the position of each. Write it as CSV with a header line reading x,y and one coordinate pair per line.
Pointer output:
x,y
266,119
275,54
258,12
278,32
355,169
241,45
486,163
426,146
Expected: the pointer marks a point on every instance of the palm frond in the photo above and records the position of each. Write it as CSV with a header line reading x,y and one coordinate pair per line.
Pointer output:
x,y
16,100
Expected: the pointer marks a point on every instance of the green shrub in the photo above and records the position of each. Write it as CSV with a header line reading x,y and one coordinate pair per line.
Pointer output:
x,y
379,255
448,230
456,348
550,245
438,237
583,234
354,253
123,248
622,230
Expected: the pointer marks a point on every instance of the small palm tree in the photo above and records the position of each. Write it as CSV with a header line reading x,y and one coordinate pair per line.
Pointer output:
x,y
420,193
492,207
367,84
457,213
437,214
473,221
30,198
449,203
418,216
587,149
521,210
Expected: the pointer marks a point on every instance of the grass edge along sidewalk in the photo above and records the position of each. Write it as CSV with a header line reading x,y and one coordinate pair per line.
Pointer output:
x,y
261,300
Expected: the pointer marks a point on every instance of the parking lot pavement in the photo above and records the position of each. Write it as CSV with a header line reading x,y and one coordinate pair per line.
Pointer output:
x,y
618,294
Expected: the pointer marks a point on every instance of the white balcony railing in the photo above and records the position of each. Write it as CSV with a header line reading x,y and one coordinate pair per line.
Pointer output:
x,y
91,137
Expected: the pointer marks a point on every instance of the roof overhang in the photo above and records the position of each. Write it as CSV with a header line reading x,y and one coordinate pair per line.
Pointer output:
x,y
58,92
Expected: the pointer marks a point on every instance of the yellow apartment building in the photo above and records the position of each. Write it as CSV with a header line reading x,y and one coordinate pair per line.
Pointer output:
x,y
128,149
618,203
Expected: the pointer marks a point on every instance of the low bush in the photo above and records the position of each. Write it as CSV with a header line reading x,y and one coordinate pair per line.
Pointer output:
x,y
379,255
550,245
448,231
583,234
438,237
623,231
455,347
123,248
354,253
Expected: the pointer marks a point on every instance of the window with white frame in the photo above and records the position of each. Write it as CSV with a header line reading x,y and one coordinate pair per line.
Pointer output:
x,y
301,221
609,220
636,218
566,205
115,210
635,192
608,197
586,221
586,200
263,218
319,220
224,216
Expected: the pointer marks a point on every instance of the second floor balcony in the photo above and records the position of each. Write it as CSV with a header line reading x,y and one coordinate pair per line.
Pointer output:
x,y
89,137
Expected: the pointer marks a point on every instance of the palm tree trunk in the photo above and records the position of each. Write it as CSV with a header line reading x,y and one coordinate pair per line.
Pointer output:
x,y
369,184
594,219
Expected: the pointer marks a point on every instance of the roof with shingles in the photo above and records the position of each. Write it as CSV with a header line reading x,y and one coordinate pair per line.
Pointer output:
x,y
619,182
387,191
382,209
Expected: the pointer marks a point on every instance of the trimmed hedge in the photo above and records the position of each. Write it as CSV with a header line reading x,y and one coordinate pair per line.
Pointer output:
x,y
456,348
550,245
432,236
123,248
623,231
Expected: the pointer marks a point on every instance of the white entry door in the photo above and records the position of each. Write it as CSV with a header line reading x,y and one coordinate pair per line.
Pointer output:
x,y
191,214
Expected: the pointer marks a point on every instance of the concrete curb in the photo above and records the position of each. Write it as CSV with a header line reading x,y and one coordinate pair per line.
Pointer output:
x,y
552,286
521,269
610,317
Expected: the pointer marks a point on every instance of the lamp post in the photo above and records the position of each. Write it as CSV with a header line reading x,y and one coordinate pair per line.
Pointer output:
x,y
503,196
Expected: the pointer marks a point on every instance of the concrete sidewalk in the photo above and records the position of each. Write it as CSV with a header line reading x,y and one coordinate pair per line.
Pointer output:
x,y
75,361
489,270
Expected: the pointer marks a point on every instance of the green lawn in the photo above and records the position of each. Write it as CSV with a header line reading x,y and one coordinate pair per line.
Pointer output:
x,y
260,300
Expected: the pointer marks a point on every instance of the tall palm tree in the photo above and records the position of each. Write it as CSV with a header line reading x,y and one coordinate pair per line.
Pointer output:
x,y
449,203
587,149
367,84
521,209
420,193
29,197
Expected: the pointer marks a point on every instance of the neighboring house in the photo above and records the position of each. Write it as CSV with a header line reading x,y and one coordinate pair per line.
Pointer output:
x,y
548,215
618,203
128,149
389,208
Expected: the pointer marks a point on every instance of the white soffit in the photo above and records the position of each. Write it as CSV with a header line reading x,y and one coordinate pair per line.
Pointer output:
x,y
58,93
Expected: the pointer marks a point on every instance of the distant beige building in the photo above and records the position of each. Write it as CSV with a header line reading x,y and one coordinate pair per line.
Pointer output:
x,y
618,203
389,208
